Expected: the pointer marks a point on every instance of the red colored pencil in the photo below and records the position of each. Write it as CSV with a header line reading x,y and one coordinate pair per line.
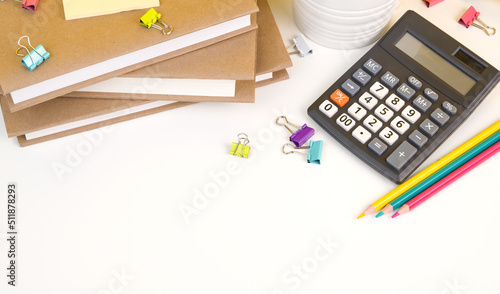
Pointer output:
x,y
446,181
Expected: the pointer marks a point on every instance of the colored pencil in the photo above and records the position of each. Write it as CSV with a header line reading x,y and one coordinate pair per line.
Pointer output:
x,y
438,175
448,180
430,170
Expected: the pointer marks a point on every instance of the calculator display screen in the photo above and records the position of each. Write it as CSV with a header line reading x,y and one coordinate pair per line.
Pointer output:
x,y
424,55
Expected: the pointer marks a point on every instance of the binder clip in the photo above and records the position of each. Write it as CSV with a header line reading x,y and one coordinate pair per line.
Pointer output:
x,y
27,4
472,15
150,19
35,57
430,3
300,136
300,44
313,154
241,148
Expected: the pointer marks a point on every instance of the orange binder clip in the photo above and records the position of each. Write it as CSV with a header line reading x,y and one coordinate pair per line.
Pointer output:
x,y
472,15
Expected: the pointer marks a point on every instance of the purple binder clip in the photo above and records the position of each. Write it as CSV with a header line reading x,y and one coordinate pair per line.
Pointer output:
x,y
298,137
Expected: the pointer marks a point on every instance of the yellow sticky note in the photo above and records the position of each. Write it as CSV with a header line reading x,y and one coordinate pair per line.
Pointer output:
x,y
74,9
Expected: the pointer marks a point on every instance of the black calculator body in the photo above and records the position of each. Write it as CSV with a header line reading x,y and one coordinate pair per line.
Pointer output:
x,y
404,97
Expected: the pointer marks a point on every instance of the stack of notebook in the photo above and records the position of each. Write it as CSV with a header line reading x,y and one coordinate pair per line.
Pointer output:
x,y
107,69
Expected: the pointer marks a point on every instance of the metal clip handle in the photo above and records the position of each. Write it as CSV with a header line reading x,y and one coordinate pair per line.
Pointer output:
x,y
484,27
242,137
27,50
293,148
285,123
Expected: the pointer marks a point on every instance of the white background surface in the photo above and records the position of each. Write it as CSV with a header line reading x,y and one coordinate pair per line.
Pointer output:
x,y
117,209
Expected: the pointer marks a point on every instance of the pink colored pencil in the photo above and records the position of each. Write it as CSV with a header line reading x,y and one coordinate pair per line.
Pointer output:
x,y
446,181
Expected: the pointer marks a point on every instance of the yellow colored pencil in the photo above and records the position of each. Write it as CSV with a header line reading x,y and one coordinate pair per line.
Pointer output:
x,y
408,184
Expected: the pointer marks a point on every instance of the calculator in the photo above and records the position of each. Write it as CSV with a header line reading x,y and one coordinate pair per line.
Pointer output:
x,y
404,97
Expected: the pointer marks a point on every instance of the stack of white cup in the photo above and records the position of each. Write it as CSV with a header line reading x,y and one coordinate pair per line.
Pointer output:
x,y
343,24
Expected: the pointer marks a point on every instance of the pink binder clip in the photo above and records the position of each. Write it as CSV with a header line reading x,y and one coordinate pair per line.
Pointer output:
x,y
472,15
431,3
27,4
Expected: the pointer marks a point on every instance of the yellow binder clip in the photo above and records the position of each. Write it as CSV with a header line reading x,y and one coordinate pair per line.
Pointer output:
x,y
241,148
150,19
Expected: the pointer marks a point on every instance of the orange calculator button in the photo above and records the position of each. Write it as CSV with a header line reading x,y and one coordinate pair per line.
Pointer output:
x,y
339,98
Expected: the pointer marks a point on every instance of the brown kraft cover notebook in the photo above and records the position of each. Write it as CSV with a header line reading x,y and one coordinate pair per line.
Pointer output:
x,y
87,51
216,62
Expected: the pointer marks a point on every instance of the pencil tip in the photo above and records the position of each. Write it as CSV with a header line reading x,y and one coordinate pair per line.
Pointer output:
x,y
380,214
361,215
395,215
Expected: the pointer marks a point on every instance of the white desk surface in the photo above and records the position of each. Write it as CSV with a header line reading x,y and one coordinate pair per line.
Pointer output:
x,y
113,223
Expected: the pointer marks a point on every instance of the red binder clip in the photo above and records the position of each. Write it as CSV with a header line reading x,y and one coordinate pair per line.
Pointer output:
x,y
27,4
431,3
472,15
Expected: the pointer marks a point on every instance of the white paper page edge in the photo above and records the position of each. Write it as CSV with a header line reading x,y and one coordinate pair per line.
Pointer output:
x,y
96,119
129,59
264,77
160,86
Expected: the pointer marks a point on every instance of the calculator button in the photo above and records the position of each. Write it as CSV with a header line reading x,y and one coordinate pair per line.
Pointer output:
x,y
388,135
421,103
372,67
410,114
346,122
429,128
417,138
377,146
339,98
368,100
361,77
401,155
383,112
372,123
439,117
357,111
415,83
395,102
389,80
361,134
379,90
328,108
400,125
448,107
350,87
433,96
405,91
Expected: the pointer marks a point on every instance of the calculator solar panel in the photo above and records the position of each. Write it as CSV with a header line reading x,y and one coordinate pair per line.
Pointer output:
x,y
404,97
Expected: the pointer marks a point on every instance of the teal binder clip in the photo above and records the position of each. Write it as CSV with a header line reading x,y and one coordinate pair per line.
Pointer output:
x,y
313,154
35,57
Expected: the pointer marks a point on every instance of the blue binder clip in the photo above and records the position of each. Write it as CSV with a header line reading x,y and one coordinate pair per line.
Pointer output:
x,y
313,154
300,136
35,57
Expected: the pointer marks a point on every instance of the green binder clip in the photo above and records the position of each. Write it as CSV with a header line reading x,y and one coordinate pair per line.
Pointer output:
x,y
150,19
313,154
241,148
